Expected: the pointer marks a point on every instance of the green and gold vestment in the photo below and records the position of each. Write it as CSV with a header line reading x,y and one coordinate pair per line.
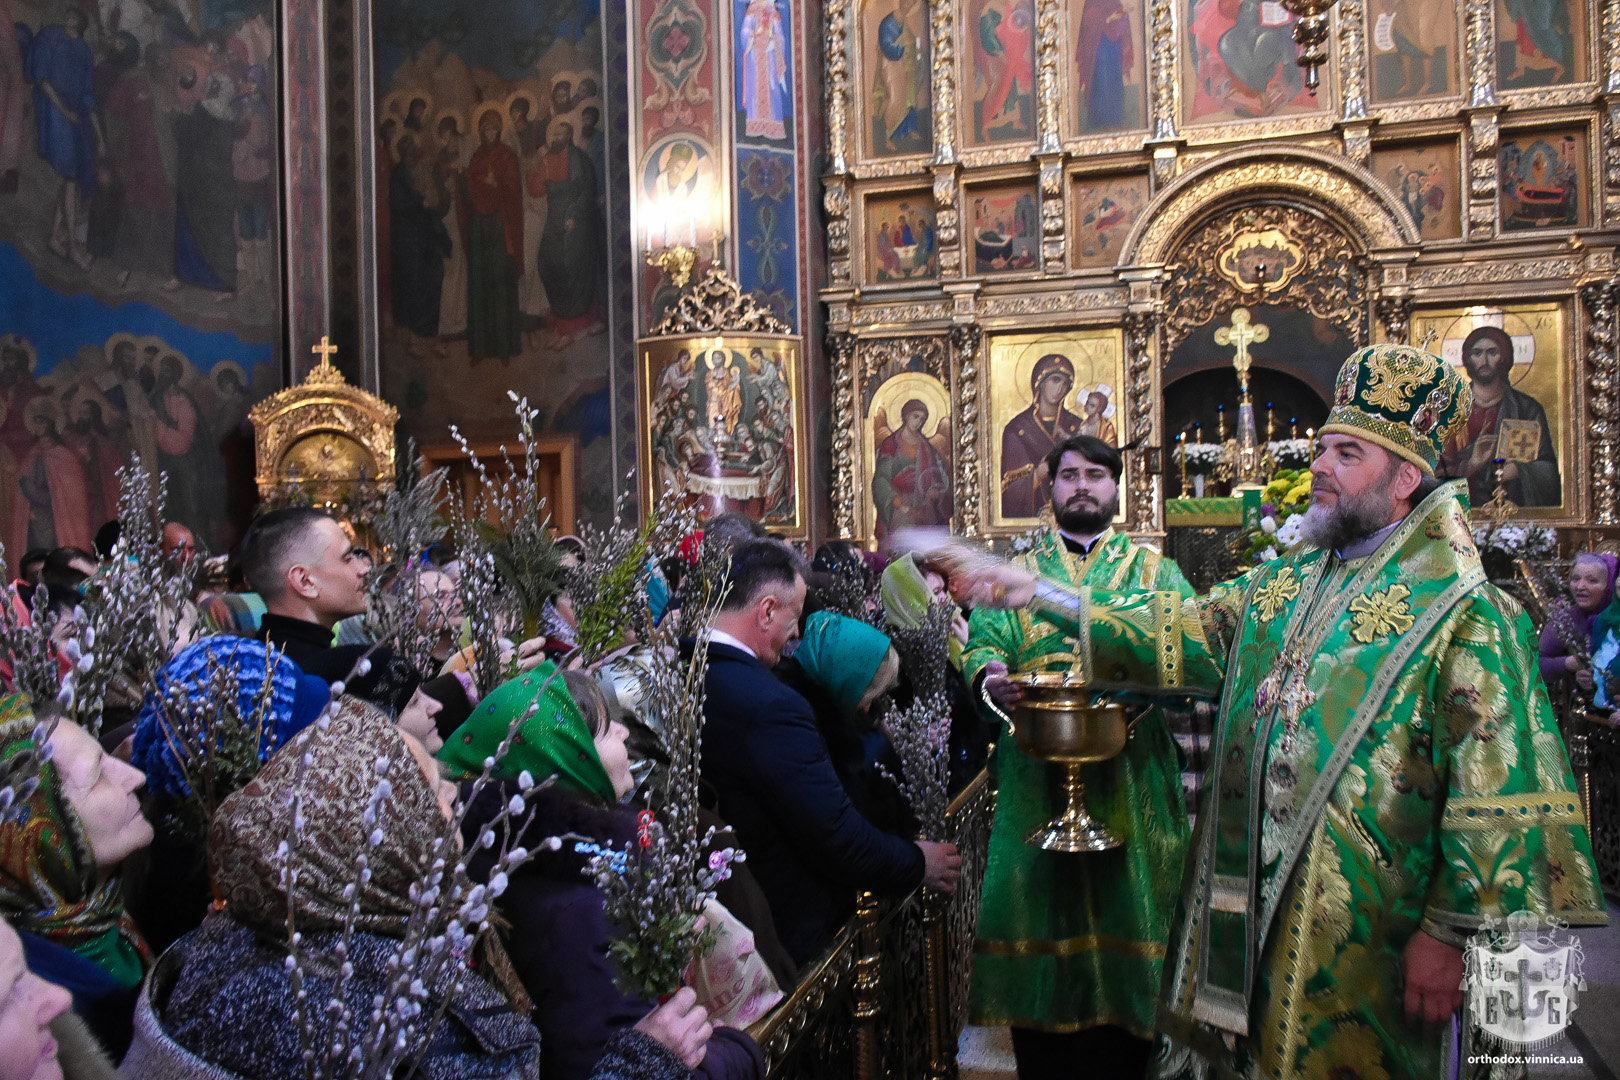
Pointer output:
x,y
1070,941
1386,760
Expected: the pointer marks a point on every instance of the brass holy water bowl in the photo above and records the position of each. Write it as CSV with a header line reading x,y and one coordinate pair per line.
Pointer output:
x,y
1062,720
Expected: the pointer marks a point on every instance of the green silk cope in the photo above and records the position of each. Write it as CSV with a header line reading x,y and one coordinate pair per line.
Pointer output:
x,y
1386,760
1071,941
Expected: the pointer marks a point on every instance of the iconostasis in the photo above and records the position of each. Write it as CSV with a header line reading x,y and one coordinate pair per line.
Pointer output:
x,y
1041,213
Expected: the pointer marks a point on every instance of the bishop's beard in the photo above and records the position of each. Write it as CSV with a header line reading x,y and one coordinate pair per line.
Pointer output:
x,y
1352,518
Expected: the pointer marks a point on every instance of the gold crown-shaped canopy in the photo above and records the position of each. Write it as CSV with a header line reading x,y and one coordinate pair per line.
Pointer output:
x,y
323,435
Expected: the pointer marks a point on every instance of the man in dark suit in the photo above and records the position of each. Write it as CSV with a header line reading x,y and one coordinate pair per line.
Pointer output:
x,y
764,758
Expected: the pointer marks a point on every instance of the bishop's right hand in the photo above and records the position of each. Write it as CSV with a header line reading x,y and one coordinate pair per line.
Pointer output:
x,y
1004,690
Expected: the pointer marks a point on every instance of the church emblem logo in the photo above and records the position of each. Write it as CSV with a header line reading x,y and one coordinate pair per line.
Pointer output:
x,y
1522,978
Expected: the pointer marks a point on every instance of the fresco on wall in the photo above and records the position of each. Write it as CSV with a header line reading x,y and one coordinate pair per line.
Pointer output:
x,y
492,237
766,209
138,202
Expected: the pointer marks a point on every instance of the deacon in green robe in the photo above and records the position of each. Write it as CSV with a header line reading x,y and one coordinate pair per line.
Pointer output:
x,y
1387,773
1075,942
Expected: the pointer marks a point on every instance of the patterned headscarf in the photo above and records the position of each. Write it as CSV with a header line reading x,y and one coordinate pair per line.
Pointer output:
x,y
296,700
842,654
554,741
337,787
48,878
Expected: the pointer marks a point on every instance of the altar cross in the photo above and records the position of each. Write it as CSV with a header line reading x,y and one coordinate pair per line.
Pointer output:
x,y
326,350
1240,335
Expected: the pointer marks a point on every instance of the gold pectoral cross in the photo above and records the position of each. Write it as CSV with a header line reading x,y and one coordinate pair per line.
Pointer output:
x,y
1240,335
1284,689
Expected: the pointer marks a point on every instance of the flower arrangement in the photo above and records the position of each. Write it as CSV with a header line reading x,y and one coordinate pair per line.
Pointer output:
x,y
1290,453
1202,458
1516,541
1283,503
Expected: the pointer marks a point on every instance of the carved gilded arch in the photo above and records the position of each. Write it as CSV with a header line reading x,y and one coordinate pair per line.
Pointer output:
x,y
1343,191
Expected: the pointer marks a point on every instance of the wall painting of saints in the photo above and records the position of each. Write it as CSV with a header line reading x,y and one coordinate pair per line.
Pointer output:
x,y
1413,49
896,69
490,195
1110,67
1540,178
907,438
1425,177
1541,43
1241,63
764,71
723,426
1511,358
1045,388
1001,51
900,240
1105,208
141,258
1006,228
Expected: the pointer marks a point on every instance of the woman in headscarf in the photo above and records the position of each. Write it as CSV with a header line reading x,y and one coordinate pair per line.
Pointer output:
x,y
170,896
60,881
222,1001
559,933
841,667
909,587
1591,584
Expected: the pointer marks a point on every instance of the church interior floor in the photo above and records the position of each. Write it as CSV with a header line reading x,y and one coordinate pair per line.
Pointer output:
x,y
985,1053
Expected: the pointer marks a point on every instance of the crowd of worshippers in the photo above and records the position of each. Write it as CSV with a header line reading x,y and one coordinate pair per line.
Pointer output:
x,y
141,940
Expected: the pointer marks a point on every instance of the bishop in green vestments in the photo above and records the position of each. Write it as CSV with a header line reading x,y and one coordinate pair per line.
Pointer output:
x,y
1075,943
1387,772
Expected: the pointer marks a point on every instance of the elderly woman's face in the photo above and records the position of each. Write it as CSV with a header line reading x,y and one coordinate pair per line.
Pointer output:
x,y
101,789
1588,582
28,1004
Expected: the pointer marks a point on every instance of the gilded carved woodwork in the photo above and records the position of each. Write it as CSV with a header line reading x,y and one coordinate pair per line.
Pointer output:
x,y
1313,175
1602,387
1164,93
1611,46
1321,273
1479,50
1352,59
1484,137
1395,317
943,43
715,303
1048,48
1054,257
946,220
1142,392
324,435
966,342
841,350
838,14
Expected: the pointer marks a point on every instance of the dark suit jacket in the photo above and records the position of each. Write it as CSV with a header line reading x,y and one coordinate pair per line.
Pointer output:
x,y
807,845
388,685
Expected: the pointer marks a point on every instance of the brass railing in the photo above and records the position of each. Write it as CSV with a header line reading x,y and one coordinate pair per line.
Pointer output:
x,y
889,997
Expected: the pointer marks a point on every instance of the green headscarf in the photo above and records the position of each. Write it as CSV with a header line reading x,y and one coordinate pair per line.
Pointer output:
x,y
841,654
906,597
553,741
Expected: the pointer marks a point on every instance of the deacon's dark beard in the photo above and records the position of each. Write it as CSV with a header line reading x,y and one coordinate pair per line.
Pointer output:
x,y
1082,522
1350,519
